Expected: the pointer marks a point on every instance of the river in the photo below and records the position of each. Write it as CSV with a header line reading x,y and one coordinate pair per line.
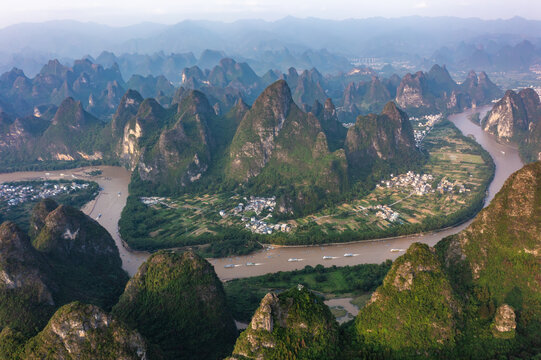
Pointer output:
x,y
112,199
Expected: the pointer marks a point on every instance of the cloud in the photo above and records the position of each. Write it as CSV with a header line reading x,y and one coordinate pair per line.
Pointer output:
x,y
421,5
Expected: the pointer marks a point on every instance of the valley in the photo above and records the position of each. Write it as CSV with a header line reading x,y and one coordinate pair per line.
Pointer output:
x,y
112,199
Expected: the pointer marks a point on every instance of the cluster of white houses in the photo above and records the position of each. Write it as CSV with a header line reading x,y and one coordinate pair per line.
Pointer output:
x,y
257,205
449,186
386,213
420,184
424,128
18,194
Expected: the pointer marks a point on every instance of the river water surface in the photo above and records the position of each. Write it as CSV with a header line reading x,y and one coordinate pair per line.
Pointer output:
x,y
112,199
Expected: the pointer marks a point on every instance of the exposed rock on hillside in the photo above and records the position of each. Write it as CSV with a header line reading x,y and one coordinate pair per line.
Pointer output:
x,y
72,135
295,325
504,323
517,118
78,331
333,129
413,92
182,152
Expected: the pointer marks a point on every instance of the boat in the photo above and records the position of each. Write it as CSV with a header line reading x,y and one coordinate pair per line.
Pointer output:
x,y
348,255
397,250
292,259
229,266
327,257
250,264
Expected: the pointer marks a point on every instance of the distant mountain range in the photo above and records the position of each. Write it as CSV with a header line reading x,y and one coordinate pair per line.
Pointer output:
x,y
280,132
464,43
360,91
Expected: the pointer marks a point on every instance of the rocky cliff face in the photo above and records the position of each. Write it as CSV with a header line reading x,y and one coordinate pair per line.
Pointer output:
x,y
436,91
480,88
367,96
126,138
509,118
26,286
168,147
328,118
385,137
413,92
84,257
504,323
517,117
182,295
309,88
79,331
18,136
295,324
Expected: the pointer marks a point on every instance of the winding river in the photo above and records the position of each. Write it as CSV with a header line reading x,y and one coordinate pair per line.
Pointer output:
x,y
114,190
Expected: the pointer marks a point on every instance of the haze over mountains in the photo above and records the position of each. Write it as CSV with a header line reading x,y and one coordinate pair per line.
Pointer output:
x,y
284,43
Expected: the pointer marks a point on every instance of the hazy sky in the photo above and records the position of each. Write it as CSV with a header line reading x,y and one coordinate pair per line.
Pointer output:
x,y
124,12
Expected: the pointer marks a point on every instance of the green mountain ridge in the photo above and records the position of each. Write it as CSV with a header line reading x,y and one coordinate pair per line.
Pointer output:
x,y
476,294
178,303
292,325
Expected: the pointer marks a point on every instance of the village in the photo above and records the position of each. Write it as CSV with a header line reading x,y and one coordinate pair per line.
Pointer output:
x,y
18,194
257,206
423,129
420,184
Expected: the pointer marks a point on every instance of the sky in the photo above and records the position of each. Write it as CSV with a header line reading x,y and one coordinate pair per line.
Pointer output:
x,y
127,12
